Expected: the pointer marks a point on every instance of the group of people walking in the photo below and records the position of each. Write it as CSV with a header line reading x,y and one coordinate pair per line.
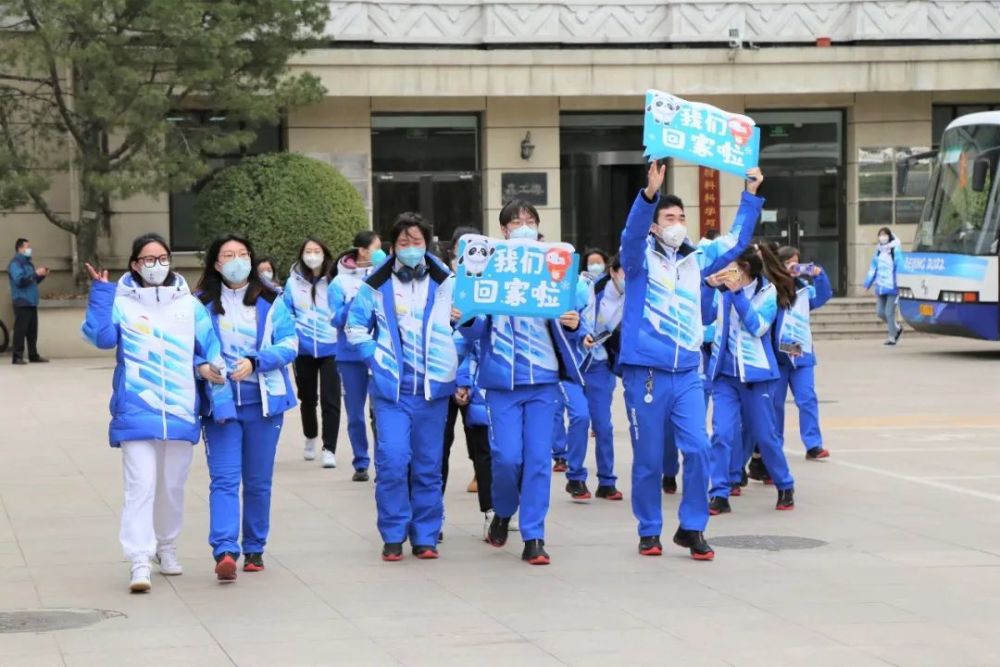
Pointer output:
x,y
681,324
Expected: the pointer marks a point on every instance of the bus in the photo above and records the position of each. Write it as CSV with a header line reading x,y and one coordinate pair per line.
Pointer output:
x,y
949,283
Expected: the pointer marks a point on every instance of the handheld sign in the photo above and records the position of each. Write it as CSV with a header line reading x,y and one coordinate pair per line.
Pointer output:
x,y
515,277
699,133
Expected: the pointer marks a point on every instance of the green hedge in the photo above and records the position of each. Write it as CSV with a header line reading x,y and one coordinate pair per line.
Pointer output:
x,y
277,200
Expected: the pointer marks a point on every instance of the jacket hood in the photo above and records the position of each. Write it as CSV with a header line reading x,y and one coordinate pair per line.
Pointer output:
x,y
178,289
348,266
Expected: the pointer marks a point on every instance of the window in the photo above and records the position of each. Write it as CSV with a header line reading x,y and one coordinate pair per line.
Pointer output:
x,y
945,113
183,235
887,194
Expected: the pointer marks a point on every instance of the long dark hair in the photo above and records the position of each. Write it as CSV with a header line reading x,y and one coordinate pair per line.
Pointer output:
x,y
137,245
362,239
326,269
210,285
779,276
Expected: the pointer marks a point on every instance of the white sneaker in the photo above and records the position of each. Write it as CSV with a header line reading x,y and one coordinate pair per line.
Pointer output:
x,y
487,520
514,524
169,565
329,460
140,582
310,451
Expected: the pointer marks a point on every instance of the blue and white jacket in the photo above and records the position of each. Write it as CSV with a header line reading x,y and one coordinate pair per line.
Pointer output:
x,y
886,262
270,385
373,327
468,376
792,324
603,313
158,334
662,323
313,317
340,295
742,348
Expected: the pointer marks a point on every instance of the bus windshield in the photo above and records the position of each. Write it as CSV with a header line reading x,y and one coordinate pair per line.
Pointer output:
x,y
957,218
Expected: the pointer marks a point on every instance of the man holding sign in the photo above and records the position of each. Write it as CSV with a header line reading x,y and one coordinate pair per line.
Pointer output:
x,y
661,339
522,359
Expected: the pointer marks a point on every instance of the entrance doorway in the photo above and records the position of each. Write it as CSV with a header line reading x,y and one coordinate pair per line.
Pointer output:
x,y
802,156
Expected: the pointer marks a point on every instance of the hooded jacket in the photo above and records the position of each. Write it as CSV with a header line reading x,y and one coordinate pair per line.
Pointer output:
x,y
886,262
748,347
313,318
159,334
343,289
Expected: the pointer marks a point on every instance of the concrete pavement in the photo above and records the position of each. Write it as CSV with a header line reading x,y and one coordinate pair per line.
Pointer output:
x,y
906,508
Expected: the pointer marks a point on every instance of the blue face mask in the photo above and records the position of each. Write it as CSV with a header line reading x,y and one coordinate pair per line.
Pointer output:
x,y
411,256
235,271
525,232
378,257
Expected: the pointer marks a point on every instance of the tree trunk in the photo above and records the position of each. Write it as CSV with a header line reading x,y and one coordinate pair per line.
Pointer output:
x,y
86,251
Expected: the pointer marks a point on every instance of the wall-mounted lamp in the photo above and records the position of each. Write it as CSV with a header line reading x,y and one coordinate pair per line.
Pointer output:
x,y
527,148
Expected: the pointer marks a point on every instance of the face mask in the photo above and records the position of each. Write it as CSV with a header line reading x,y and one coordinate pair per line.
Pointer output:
x,y
236,270
154,275
595,269
883,239
26,252
673,236
525,232
267,275
411,256
378,256
313,260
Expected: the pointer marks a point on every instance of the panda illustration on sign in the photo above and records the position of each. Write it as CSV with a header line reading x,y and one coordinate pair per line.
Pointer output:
x,y
476,254
663,108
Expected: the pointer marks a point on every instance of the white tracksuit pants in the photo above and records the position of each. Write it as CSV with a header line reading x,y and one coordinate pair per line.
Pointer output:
x,y
154,472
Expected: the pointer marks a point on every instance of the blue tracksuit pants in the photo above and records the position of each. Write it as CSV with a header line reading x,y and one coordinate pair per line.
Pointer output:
x,y
560,437
241,451
802,380
739,456
408,468
671,457
741,407
354,379
599,391
678,401
520,423
578,432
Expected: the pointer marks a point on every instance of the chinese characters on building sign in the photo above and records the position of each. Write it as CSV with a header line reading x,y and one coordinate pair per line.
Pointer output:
x,y
528,186
518,277
699,133
708,199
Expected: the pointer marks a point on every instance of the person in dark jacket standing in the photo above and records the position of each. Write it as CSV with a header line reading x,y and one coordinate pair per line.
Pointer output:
x,y
24,279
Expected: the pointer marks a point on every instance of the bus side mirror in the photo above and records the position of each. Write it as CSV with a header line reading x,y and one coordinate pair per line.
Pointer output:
x,y
980,171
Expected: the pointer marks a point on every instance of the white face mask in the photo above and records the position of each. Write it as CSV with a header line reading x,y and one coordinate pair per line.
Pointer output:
x,y
525,232
154,275
267,275
673,236
313,260
595,269
883,239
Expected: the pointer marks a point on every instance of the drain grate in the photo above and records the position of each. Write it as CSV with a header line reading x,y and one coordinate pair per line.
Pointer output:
x,y
766,542
48,620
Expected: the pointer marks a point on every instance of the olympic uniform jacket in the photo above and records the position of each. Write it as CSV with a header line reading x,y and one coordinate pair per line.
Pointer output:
x,y
792,324
158,334
372,327
313,318
599,318
745,342
662,321
343,288
276,348
468,372
886,262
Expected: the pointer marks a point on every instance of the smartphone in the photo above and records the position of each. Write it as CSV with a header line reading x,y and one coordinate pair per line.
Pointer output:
x,y
803,269
601,337
792,349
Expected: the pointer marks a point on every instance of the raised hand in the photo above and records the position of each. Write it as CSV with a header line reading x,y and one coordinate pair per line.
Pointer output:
x,y
654,178
754,178
97,276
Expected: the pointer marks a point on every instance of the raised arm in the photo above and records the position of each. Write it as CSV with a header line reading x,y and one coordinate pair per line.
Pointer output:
x,y
100,327
633,246
821,290
721,251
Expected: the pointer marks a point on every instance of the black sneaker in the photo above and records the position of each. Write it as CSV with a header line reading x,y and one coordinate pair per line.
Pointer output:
x,y
360,475
578,490
38,360
560,465
392,551
499,528
786,500
225,566
695,541
534,552
609,493
756,469
650,546
718,505
669,485
899,332
253,562
814,453
425,552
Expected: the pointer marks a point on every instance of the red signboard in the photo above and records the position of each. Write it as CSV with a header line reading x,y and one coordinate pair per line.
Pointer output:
x,y
708,199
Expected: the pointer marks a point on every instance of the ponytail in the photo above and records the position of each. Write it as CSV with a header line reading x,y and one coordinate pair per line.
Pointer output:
x,y
779,276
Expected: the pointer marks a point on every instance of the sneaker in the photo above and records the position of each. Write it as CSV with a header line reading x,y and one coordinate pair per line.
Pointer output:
x,y
695,541
669,485
329,460
225,566
487,520
889,341
140,580
38,359
899,332
253,562
650,546
498,531
560,465
578,490
169,565
360,475
756,469
392,551
424,552
309,453
473,486
814,453
18,361
609,493
744,477
786,500
514,526
718,505
735,490
534,552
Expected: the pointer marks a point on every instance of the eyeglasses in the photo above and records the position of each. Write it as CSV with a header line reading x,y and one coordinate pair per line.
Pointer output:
x,y
530,222
230,255
150,261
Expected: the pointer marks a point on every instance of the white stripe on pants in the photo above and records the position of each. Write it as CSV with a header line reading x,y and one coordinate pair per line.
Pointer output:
x,y
154,472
